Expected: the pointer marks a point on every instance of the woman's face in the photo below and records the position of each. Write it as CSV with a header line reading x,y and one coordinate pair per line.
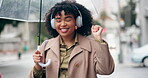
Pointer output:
x,y
65,24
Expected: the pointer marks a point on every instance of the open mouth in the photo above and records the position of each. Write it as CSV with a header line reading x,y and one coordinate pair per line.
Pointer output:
x,y
64,30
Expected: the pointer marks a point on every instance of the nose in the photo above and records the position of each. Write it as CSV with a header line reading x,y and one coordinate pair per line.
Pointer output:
x,y
63,23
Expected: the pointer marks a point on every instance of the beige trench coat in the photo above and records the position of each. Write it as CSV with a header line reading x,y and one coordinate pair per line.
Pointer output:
x,y
87,59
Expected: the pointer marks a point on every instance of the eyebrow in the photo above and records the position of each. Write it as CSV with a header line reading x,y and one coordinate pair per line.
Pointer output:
x,y
68,17
65,17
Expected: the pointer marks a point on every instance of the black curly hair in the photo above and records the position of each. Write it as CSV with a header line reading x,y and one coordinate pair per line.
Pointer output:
x,y
69,8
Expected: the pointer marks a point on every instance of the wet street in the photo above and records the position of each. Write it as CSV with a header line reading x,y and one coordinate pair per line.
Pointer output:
x,y
128,71
17,68
20,69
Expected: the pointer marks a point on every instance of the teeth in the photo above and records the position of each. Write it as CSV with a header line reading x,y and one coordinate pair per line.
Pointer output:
x,y
64,30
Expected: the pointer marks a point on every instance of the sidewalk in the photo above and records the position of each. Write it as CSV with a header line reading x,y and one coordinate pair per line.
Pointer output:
x,y
7,58
10,58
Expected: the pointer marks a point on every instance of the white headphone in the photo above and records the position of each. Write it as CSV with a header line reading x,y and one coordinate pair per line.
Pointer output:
x,y
78,20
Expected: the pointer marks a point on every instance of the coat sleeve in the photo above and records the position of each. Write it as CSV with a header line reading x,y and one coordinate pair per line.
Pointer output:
x,y
31,74
102,59
41,50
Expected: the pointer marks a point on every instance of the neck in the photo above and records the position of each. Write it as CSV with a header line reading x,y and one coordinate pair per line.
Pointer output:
x,y
69,40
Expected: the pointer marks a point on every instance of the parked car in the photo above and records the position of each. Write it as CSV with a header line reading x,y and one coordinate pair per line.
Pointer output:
x,y
140,55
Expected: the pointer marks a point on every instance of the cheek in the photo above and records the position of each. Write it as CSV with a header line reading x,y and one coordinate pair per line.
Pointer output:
x,y
57,25
72,24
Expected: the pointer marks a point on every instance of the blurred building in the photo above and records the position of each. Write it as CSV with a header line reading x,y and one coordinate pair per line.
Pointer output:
x,y
14,39
142,20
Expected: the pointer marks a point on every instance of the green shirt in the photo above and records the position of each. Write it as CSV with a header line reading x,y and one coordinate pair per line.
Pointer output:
x,y
64,57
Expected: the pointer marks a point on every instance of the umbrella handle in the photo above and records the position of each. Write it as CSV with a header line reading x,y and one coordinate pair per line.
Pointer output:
x,y
45,65
42,64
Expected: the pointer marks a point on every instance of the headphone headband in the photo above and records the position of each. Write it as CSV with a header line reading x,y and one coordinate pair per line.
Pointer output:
x,y
78,10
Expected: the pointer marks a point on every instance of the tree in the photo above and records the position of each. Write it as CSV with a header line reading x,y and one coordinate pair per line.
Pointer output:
x,y
103,16
5,21
128,14
96,23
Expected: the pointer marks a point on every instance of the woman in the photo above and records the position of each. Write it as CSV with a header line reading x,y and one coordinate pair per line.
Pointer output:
x,y
72,53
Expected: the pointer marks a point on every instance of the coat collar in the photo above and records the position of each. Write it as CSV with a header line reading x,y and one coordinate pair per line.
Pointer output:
x,y
83,43
53,44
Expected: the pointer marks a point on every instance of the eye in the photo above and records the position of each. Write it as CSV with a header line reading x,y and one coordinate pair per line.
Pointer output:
x,y
58,20
68,19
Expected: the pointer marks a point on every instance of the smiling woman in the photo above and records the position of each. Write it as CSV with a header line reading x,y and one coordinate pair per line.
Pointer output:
x,y
72,53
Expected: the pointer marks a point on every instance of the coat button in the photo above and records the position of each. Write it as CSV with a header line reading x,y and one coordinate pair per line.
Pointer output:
x,y
77,65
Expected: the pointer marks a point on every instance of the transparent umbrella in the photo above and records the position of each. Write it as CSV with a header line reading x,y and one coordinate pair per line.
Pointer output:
x,y
26,10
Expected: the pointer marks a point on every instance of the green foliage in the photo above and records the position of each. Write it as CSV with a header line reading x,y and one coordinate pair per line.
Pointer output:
x,y
4,22
1,27
103,15
96,23
44,33
128,13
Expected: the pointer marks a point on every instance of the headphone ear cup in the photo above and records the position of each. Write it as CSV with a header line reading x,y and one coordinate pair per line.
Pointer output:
x,y
52,23
79,21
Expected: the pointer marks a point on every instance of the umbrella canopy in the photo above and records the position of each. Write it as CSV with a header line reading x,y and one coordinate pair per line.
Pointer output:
x,y
25,10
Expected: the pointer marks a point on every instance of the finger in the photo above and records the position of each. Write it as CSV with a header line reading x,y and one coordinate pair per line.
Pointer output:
x,y
92,28
100,30
37,52
37,59
95,28
41,54
36,55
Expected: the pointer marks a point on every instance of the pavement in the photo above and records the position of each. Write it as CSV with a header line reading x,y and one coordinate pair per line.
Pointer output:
x,y
10,61
10,57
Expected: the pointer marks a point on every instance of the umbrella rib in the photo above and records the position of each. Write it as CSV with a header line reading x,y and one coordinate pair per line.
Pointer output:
x,y
28,9
94,6
1,2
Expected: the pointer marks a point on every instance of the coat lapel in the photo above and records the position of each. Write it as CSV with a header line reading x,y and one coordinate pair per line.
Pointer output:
x,y
83,43
75,51
53,44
